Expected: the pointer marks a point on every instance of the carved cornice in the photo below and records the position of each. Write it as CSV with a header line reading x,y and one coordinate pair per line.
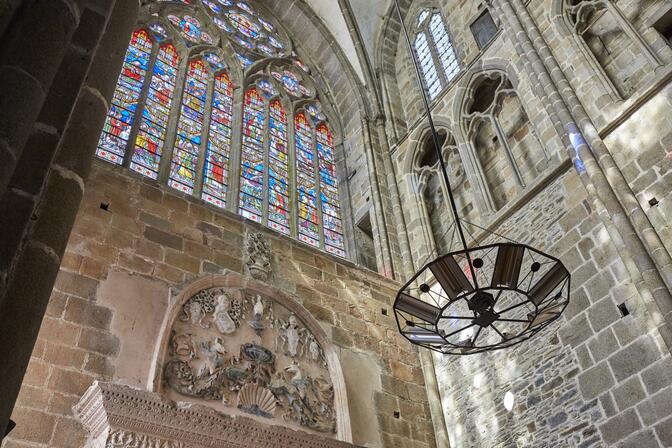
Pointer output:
x,y
119,416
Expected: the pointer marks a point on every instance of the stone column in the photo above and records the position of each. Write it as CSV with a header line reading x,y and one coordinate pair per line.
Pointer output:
x,y
32,49
614,176
397,210
381,227
36,262
641,266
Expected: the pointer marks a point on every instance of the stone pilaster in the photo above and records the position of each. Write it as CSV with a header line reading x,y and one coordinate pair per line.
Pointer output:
x,y
32,267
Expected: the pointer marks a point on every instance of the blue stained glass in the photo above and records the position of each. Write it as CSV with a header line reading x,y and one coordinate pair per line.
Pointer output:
x,y
244,60
333,233
150,139
252,165
245,7
213,6
244,24
278,188
117,127
159,31
190,128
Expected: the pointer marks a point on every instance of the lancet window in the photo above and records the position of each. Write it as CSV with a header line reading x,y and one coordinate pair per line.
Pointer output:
x,y
434,50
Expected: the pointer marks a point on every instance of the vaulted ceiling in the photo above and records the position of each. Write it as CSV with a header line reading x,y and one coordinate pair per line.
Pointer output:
x,y
368,16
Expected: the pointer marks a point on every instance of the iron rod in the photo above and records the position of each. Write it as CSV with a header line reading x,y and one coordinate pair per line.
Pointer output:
x,y
437,145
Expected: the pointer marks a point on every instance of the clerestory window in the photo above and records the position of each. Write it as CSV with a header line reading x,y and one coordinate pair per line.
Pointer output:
x,y
434,52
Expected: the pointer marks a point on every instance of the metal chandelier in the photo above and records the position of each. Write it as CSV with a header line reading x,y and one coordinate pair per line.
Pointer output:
x,y
482,298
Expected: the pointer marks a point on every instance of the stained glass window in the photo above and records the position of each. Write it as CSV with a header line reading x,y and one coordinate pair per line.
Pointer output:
x,y
216,170
331,210
435,53
306,185
152,133
252,157
286,179
278,170
189,128
117,127
191,29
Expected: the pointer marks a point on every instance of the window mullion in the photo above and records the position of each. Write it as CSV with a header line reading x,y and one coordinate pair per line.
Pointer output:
x,y
292,173
130,144
266,151
205,136
440,72
171,128
237,106
318,190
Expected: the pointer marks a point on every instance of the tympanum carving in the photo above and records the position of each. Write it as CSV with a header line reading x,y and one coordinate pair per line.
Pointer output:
x,y
235,350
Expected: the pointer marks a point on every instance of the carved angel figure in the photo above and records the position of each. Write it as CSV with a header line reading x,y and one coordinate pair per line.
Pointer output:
x,y
221,316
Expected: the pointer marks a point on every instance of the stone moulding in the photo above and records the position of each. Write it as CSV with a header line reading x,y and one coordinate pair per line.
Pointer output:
x,y
118,416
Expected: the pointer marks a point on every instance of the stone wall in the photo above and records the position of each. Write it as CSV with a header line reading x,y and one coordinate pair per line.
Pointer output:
x,y
135,239
595,378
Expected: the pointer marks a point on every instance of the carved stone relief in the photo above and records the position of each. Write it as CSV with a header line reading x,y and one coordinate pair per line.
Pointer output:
x,y
119,438
235,350
258,256
118,416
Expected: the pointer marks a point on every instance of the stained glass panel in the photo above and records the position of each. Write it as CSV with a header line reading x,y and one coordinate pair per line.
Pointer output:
x,y
189,128
278,188
152,132
218,152
159,31
117,127
191,29
331,213
252,157
244,24
306,186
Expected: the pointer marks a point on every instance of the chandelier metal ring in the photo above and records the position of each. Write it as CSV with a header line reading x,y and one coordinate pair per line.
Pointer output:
x,y
517,292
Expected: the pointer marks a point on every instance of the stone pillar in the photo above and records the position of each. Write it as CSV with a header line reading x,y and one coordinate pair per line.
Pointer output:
x,y
641,266
381,227
32,49
35,264
614,176
397,210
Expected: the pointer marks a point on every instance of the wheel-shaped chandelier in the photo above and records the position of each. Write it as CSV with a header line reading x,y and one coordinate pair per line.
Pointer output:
x,y
483,298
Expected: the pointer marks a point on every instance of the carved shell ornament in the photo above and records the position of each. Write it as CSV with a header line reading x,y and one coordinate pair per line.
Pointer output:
x,y
246,353
256,400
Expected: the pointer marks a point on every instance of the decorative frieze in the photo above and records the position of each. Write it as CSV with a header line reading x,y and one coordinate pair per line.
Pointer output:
x,y
118,416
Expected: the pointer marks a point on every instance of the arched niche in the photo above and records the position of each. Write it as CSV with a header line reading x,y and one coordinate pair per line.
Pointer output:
x,y
242,347
616,40
432,193
504,142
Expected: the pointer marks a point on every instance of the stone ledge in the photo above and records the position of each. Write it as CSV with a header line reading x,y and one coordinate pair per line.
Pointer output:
x,y
121,416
